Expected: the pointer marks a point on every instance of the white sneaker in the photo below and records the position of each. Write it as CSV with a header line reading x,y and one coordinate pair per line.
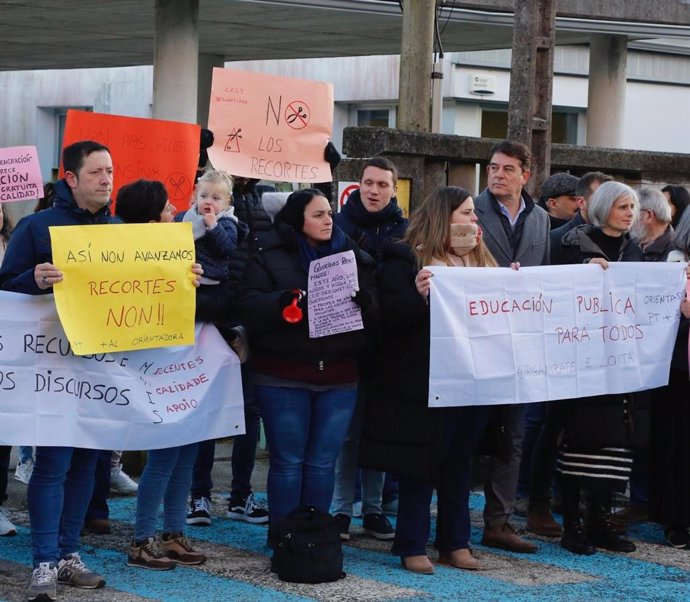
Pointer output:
x,y
24,470
6,526
121,482
43,584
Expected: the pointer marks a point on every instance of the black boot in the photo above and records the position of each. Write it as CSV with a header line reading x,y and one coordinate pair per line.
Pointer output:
x,y
573,539
598,527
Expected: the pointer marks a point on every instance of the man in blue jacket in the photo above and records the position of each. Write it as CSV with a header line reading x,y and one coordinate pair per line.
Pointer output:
x,y
60,488
370,217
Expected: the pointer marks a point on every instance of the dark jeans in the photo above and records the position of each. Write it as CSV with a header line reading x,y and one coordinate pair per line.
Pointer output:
x,y
545,452
639,478
464,428
4,467
98,507
243,450
534,418
390,488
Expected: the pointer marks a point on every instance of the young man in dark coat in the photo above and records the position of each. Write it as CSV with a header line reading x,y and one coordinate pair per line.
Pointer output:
x,y
370,217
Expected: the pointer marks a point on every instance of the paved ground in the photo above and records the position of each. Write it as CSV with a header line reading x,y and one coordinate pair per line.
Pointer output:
x,y
238,566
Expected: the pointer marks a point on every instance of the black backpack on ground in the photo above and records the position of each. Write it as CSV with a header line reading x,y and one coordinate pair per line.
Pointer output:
x,y
307,547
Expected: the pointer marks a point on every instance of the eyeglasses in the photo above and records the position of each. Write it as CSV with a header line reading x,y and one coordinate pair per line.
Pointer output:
x,y
507,169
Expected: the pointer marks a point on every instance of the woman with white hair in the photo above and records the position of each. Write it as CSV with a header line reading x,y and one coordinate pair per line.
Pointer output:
x,y
595,452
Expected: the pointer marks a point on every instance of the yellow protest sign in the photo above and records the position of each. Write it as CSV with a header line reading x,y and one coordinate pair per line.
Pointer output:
x,y
125,286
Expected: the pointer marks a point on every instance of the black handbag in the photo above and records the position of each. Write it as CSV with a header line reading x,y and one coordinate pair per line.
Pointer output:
x,y
307,547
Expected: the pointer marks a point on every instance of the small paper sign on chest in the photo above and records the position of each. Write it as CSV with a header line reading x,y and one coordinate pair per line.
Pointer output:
x,y
332,281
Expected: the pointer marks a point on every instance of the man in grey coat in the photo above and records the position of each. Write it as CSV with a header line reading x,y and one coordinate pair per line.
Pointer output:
x,y
516,231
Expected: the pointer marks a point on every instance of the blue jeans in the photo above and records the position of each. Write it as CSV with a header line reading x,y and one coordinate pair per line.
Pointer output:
x,y
347,466
58,496
464,428
166,478
243,451
305,431
26,452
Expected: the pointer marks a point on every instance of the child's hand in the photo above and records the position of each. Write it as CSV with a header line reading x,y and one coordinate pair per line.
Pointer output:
x,y
210,219
197,273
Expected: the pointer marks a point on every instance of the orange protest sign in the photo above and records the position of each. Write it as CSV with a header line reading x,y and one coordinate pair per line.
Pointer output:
x,y
270,127
142,148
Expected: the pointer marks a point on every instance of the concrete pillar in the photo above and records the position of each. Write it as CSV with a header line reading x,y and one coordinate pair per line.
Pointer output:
x,y
531,83
414,104
523,71
608,57
543,96
175,60
206,64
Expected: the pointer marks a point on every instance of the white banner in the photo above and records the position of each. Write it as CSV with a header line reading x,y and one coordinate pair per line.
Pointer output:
x,y
556,332
148,399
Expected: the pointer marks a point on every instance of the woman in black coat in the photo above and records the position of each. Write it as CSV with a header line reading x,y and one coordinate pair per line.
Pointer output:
x,y
306,387
596,446
428,447
669,449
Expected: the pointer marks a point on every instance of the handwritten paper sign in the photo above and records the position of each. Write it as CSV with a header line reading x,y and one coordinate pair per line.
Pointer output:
x,y
143,148
331,308
126,286
146,399
20,174
270,127
542,333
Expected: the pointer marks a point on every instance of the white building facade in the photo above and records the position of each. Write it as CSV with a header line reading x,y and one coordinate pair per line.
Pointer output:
x,y
475,96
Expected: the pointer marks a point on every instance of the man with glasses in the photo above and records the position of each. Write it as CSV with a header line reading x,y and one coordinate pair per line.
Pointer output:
x,y
516,231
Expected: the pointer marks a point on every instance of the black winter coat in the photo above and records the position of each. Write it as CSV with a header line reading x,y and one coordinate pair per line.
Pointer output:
x,y
371,230
401,434
578,246
250,211
603,420
272,272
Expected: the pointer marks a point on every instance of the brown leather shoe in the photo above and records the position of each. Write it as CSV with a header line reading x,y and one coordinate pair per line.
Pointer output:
x,y
417,564
505,537
97,526
460,559
540,521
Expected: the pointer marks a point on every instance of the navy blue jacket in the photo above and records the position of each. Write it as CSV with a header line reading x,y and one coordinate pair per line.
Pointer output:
x,y
371,230
30,242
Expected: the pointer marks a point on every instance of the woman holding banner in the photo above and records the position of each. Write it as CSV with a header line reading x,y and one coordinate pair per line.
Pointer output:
x,y
428,447
306,387
595,452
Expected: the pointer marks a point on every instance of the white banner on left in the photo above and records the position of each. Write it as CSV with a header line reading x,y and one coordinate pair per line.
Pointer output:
x,y
148,399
